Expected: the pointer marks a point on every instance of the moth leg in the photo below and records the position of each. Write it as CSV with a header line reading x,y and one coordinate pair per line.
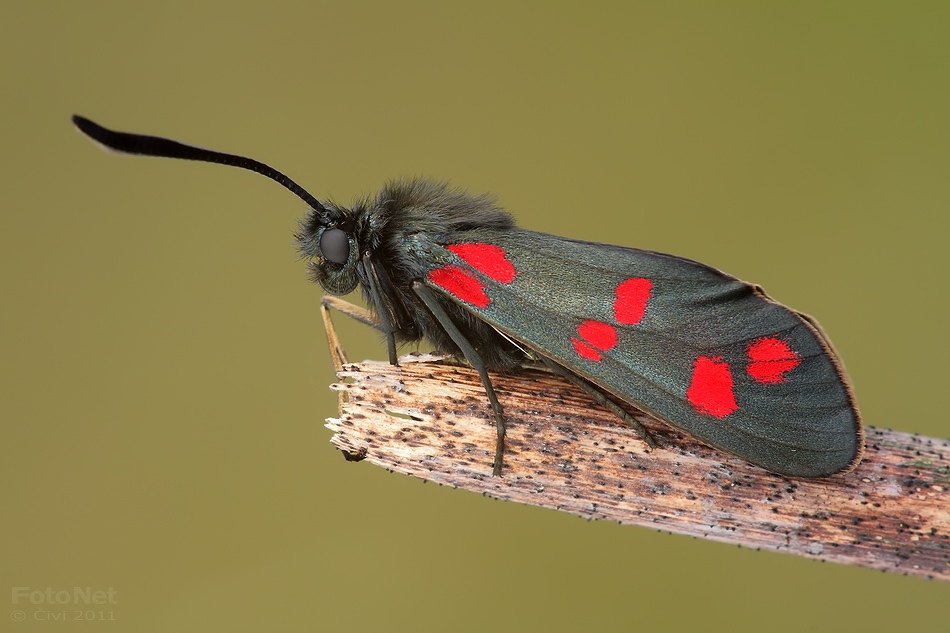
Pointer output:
x,y
351,310
337,354
603,399
364,316
383,320
428,297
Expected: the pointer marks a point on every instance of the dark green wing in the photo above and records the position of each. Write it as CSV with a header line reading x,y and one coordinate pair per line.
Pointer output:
x,y
707,353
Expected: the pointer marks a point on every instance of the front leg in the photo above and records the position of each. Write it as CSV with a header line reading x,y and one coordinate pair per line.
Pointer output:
x,y
327,303
337,354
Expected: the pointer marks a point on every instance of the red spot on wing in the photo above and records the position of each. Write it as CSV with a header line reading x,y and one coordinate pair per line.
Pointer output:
x,y
460,283
631,302
770,359
601,335
488,259
585,351
711,389
596,335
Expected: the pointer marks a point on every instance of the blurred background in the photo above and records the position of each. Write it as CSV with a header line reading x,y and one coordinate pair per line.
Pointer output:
x,y
164,368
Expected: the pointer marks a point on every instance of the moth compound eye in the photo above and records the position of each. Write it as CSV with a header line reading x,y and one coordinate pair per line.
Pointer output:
x,y
335,246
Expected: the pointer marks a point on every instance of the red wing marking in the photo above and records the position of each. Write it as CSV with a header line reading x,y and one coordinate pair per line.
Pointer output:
x,y
770,359
460,283
711,389
585,351
601,335
631,302
596,335
630,305
487,259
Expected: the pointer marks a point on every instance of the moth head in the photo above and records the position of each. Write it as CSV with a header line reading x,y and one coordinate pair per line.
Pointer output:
x,y
327,240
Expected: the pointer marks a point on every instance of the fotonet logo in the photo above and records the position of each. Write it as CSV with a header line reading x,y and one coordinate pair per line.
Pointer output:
x,y
52,596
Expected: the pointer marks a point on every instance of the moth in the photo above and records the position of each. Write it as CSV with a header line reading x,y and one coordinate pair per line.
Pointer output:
x,y
699,349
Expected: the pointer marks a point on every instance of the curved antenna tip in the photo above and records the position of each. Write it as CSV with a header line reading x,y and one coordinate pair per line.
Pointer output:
x,y
93,130
143,145
83,124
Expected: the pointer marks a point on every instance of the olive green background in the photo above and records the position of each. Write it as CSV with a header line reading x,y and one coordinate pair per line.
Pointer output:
x,y
164,370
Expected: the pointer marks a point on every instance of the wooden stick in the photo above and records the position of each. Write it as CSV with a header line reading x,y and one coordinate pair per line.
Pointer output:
x,y
430,419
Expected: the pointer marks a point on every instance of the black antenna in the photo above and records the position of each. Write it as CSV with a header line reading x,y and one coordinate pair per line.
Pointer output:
x,y
144,145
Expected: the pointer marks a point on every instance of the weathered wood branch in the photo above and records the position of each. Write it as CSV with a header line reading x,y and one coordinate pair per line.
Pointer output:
x,y
430,419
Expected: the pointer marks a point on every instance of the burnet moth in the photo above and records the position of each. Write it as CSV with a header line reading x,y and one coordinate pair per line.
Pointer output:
x,y
701,350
